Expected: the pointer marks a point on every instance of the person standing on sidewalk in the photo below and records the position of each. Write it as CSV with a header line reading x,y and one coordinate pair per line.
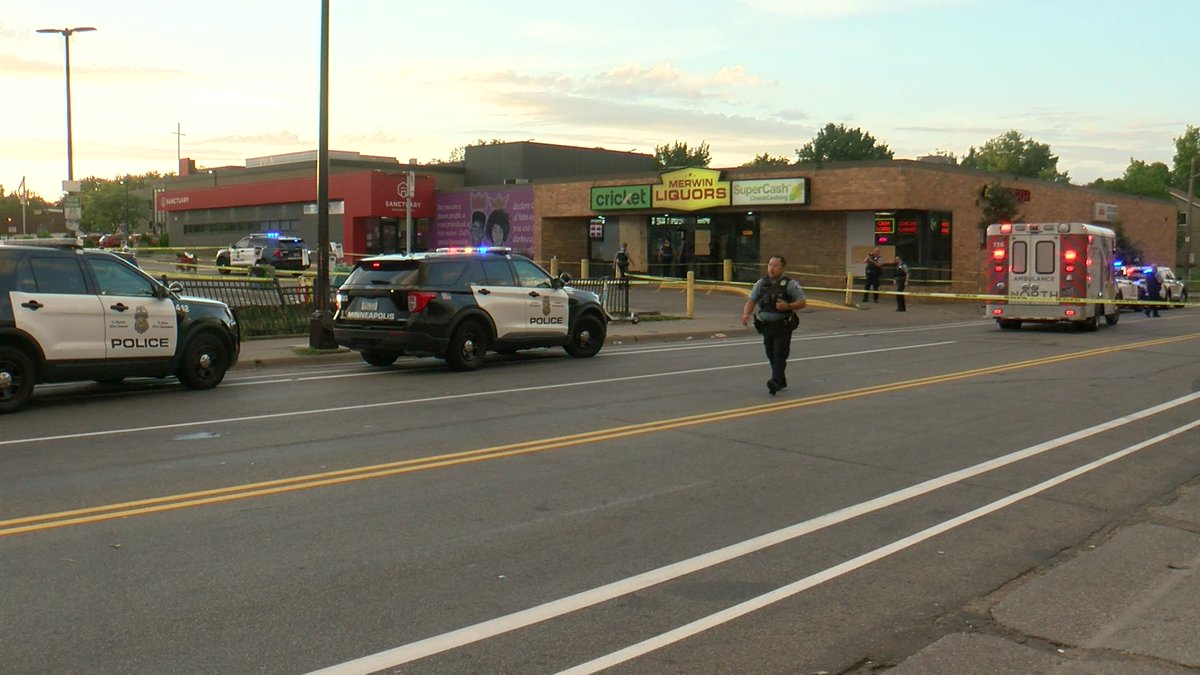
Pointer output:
x,y
901,282
773,303
874,272
622,261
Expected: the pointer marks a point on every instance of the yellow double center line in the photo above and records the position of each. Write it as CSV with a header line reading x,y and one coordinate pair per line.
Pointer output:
x,y
310,481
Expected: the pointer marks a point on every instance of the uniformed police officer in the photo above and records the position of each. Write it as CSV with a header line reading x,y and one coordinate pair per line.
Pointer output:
x,y
776,298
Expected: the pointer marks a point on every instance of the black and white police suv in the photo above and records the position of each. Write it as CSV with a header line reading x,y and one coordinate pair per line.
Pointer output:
x,y
269,248
458,304
69,314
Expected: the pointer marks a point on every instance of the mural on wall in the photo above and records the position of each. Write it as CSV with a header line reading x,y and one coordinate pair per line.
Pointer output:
x,y
485,218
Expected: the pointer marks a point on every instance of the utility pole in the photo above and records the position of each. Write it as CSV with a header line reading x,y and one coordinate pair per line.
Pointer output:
x,y
320,328
178,145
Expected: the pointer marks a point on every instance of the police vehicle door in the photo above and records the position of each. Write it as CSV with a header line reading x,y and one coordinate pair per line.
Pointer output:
x,y
136,324
52,303
244,253
501,297
546,306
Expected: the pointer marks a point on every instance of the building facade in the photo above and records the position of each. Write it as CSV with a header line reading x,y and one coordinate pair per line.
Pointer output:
x,y
581,204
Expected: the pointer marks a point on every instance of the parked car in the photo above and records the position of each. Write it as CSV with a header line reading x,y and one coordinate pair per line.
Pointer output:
x,y
112,240
1128,292
71,314
268,248
459,304
1172,290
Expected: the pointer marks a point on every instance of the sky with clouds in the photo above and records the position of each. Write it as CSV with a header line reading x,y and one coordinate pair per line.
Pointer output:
x,y
1100,81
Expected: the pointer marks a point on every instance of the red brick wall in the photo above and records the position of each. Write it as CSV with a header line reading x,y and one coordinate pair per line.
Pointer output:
x,y
813,237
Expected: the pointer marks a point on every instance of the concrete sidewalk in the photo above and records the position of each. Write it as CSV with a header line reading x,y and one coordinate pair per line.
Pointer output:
x,y
1129,605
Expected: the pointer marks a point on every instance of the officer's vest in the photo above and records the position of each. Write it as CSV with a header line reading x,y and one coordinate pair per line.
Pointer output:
x,y
773,291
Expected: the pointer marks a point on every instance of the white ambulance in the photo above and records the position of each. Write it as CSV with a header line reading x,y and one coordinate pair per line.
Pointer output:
x,y
1051,272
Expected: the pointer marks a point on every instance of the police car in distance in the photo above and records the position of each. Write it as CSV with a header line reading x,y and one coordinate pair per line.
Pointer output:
x,y
268,248
458,304
70,314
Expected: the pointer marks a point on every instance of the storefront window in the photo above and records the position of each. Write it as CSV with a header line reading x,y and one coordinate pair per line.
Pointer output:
x,y
678,244
923,239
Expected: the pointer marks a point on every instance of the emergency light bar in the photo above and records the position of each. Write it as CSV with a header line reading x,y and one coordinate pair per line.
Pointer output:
x,y
474,249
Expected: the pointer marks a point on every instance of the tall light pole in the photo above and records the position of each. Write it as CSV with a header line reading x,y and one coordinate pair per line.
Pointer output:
x,y
1191,225
125,212
66,33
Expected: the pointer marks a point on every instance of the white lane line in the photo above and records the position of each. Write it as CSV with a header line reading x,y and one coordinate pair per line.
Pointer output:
x,y
555,608
438,399
797,587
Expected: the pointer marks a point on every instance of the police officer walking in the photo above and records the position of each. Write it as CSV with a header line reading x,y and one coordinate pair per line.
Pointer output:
x,y
775,298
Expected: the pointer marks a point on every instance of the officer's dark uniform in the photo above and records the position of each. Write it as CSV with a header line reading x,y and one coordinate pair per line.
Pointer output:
x,y
776,326
901,283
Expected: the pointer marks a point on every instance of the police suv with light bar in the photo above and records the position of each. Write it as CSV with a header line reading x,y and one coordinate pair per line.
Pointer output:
x,y
460,303
69,314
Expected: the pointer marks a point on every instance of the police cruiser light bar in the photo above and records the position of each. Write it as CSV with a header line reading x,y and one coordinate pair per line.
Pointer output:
x,y
474,249
57,242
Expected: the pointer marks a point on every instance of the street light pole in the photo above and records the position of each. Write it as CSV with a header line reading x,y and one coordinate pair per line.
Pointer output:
x,y
1191,225
66,33
125,213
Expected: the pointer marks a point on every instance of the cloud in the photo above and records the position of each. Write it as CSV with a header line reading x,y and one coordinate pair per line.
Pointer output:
x,y
662,81
282,138
15,65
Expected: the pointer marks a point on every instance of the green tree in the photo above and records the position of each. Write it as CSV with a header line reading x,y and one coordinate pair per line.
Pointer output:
x,y
108,205
1126,252
10,211
839,144
679,154
767,160
1187,146
1147,180
1013,154
999,206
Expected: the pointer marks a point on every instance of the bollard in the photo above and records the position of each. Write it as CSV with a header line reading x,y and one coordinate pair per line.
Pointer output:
x,y
554,266
691,294
849,289
583,269
728,272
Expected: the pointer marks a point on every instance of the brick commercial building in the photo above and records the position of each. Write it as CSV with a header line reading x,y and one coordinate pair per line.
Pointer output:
x,y
581,204
822,219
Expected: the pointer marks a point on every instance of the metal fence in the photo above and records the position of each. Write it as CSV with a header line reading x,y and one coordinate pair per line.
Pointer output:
x,y
264,307
614,294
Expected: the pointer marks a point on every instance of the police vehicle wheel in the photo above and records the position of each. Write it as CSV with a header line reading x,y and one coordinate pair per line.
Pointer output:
x,y
16,379
204,362
468,346
381,359
587,337
223,265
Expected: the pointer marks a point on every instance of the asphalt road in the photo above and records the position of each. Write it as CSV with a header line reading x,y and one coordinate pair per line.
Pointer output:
x,y
652,510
